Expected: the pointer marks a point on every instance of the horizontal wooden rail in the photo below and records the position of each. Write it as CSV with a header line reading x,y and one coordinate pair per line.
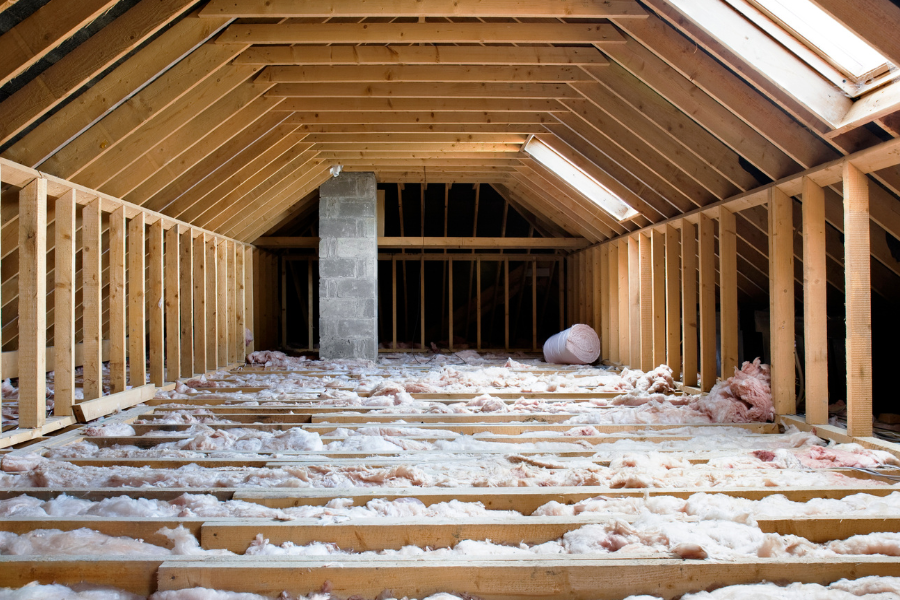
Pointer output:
x,y
439,243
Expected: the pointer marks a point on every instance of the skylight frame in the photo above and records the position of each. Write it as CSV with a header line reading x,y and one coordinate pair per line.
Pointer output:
x,y
586,185
806,50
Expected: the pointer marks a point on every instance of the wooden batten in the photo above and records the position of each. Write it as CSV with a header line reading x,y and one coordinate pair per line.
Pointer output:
x,y
634,303
92,308
118,327
624,304
173,305
33,313
155,304
658,267
781,301
64,307
137,355
728,292
613,301
858,301
648,321
673,301
815,321
689,302
707,258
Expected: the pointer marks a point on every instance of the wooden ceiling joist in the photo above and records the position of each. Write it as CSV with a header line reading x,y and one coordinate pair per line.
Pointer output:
x,y
416,138
421,55
447,118
471,128
423,74
422,33
423,91
415,105
414,8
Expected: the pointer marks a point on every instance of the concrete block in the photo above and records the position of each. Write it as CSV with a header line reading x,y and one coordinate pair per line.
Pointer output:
x,y
356,328
356,207
336,348
356,248
354,288
338,267
339,227
344,185
366,349
370,308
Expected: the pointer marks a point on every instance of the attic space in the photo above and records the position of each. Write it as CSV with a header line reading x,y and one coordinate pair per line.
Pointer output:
x,y
449,300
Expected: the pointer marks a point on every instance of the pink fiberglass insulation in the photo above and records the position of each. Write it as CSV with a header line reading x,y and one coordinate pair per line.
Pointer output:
x,y
577,345
657,381
864,588
744,398
207,506
711,506
645,536
630,472
109,430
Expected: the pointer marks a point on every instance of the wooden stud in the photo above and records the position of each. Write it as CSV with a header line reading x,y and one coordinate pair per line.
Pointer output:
x,y
64,307
173,305
707,250
781,300
571,292
249,306
534,330
395,345
450,301
240,307
309,300
634,303
422,282
859,302
186,280
155,304
137,353
673,302
612,270
689,302
118,301
200,308
231,295
728,288
222,302
258,307
92,302
478,303
506,304
647,321
562,292
211,303
624,305
601,321
815,313
658,266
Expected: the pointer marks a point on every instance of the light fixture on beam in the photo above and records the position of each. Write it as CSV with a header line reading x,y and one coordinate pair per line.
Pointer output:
x,y
592,189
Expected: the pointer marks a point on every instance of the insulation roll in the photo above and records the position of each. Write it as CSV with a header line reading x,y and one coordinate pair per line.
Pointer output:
x,y
577,345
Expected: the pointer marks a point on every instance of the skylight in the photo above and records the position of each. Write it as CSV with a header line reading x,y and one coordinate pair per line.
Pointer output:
x,y
581,181
834,42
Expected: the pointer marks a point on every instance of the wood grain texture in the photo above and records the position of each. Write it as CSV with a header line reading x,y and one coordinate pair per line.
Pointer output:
x,y
92,301
689,302
137,349
64,307
781,301
673,301
858,301
707,302
815,304
728,292
118,326
156,304
33,312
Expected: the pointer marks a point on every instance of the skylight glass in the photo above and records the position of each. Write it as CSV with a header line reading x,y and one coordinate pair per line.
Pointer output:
x,y
581,181
837,44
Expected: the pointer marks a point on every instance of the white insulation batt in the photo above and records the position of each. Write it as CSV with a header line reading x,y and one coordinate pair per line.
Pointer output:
x,y
577,345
